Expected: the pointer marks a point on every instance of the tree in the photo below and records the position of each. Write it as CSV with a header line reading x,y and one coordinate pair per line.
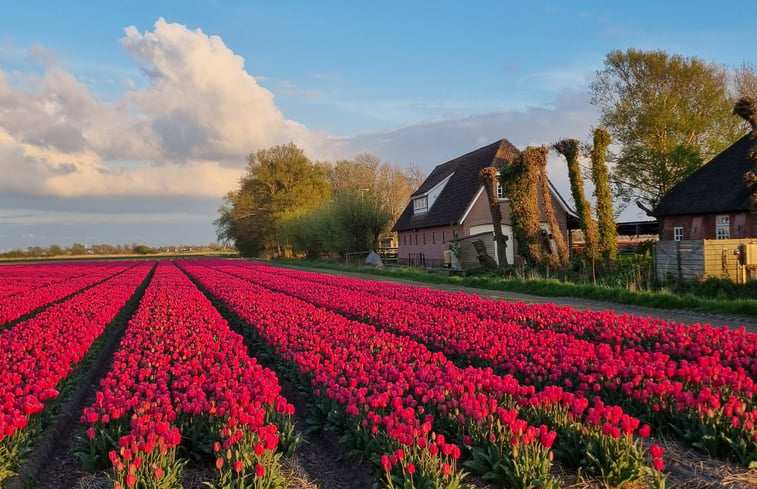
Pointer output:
x,y
569,149
356,221
488,177
745,81
668,113
599,175
142,249
78,249
54,250
34,251
278,180
306,231
520,178
562,255
367,173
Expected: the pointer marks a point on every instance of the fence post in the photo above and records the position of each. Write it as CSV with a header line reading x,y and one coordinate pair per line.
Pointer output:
x,y
678,261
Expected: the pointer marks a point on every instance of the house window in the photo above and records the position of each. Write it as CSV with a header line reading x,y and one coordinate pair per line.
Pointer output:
x,y
444,240
424,238
420,205
433,237
677,233
416,238
722,227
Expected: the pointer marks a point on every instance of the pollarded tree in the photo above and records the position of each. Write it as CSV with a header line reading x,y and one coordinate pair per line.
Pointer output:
x,y
569,149
600,177
489,179
520,179
667,112
561,257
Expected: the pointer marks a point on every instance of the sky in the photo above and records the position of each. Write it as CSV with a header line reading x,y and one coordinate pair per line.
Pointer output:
x,y
127,122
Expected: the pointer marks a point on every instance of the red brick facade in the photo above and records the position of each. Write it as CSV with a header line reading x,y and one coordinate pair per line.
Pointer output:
x,y
741,225
428,244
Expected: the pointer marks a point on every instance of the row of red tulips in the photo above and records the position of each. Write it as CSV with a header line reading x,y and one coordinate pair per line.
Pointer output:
x,y
20,277
376,374
182,387
35,292
700,343
730,347
38,353
711,405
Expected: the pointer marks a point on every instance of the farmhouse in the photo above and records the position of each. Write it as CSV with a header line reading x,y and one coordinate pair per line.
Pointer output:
x,y
714,202
450,211
709,220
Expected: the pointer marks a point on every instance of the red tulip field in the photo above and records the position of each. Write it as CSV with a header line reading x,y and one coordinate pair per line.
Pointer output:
x,y
431,389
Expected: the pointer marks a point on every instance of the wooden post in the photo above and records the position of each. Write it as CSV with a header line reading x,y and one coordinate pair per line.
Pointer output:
x,y
678,261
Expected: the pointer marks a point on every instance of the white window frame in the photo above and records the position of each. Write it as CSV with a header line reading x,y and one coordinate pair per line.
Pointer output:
x,y
723,227
678,233
499,189
420,205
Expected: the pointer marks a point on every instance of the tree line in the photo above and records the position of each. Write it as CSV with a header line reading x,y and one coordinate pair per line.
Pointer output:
x,y
287,204
79,249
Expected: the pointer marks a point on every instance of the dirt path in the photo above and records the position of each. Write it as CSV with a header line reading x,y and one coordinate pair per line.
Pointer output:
x,y
672,315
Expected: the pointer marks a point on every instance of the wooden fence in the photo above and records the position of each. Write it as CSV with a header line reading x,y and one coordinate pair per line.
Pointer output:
x,y
696,259
468,256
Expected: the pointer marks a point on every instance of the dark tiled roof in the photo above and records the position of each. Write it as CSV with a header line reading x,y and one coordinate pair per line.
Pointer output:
x,y
718,187
460,189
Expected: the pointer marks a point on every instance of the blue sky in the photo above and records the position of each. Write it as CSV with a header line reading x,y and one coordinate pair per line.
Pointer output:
x,y
127,122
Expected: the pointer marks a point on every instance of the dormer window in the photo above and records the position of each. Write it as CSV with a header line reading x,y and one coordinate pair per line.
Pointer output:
x,y
424,201
420,205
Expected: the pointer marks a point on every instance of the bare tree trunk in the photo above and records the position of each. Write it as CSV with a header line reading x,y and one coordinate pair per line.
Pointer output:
x,y
488,177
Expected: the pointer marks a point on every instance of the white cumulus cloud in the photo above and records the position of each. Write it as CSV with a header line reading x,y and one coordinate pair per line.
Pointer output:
x,y
187,132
